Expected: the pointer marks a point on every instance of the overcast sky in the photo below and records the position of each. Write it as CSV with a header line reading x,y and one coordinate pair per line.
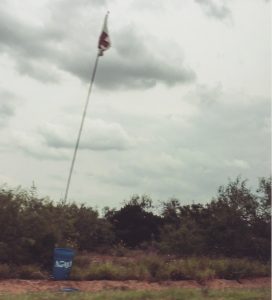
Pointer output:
x,y
181,101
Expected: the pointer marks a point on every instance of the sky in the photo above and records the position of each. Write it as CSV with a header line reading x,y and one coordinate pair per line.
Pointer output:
x,y
180,103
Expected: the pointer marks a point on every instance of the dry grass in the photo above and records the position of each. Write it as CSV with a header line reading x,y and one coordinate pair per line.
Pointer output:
x,y
156,268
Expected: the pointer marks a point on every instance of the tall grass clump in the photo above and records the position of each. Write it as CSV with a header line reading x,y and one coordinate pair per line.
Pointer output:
x,y
29,272
111,271
156,268
239,268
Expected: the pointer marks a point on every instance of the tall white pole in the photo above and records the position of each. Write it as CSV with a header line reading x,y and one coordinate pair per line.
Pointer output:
x,y
81,126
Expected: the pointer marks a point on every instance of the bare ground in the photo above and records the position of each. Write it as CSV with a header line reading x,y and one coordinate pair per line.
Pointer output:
x,y
24,286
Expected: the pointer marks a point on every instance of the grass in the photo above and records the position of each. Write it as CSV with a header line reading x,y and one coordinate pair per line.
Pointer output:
x,y
150,267
169,294
22,272
157,268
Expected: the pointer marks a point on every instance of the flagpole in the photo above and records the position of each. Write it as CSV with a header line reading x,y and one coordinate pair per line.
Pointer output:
x,y
81,126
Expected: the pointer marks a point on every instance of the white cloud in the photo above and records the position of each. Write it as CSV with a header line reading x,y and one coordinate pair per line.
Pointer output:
x,y
147,130
238,163
41,51
97,135
34,145
8,102
214,9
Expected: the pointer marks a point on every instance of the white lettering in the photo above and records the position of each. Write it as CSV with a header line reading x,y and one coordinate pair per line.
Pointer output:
x,y
63,264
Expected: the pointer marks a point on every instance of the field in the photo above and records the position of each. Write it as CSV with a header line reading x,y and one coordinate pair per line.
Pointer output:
x,y
169,294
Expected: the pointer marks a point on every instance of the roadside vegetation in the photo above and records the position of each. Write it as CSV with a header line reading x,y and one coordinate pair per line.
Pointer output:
x,y
151,267
159,268
229,237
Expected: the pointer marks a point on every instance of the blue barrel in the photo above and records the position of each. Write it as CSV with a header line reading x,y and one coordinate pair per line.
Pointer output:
x,y
63,260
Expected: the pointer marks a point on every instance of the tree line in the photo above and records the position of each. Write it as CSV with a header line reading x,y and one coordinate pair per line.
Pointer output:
x,y
235,223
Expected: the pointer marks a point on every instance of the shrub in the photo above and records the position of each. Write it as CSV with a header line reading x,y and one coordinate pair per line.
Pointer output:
x,y
154,265
204,275
29,272
5,271
119,250
78,273
105,271
155,268
81,261
239,268
111,271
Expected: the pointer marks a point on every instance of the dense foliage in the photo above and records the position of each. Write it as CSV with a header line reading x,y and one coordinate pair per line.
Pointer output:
x,y
236,223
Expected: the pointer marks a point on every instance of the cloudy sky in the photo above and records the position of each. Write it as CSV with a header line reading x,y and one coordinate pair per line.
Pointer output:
x,y
181,102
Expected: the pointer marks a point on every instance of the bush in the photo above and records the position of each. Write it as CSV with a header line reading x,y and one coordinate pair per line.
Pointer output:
x,y
202,268
105,271
29,272
154,265
5,271
31,227
82,261
78,273
156,268
119,250
239,268
237,223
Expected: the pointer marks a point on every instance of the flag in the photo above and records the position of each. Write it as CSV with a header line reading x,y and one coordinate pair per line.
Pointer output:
x,y
104,39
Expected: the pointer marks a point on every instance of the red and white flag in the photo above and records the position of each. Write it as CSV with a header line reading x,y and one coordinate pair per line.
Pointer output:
x,y
104,39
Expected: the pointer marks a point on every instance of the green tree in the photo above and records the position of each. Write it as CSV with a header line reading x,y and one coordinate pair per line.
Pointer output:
x,y
133,223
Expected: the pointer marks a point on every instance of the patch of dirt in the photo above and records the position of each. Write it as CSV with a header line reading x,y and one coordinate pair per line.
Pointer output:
x,y
242,283
23,286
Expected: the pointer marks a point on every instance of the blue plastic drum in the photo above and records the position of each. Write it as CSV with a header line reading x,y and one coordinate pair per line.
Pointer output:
x,y
63,260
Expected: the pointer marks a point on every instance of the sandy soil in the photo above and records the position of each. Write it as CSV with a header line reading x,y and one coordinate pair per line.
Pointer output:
x,y
23,286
